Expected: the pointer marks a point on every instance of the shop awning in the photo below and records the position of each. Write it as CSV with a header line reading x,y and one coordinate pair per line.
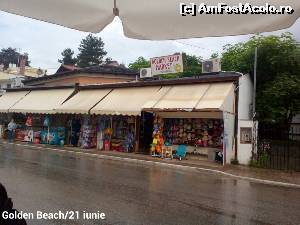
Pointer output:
x,y
42,101
9,99
182,97
198,97
125,101
218,96
83,101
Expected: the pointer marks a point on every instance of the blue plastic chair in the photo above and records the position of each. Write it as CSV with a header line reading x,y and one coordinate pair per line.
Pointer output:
x,y
180,152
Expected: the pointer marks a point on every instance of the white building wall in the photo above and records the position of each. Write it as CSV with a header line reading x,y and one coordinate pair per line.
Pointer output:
x,y
11,83
245,97
244,151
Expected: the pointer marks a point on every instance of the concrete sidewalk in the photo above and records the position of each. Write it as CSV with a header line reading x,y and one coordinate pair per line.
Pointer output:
x,y
274,177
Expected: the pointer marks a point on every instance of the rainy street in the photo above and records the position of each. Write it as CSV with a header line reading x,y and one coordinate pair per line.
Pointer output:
x,y
48,181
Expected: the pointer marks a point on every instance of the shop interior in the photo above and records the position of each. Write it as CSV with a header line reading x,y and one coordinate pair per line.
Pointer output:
x,y
109,133
198,138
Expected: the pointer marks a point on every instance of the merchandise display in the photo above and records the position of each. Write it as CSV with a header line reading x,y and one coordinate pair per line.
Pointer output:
x,y
115,133
104,133
46,121
158,139
57,135
107,138
36,137
44,137
25,134
194,132
38,131
129,141
199,134
75,131
123,134
29,121
88,137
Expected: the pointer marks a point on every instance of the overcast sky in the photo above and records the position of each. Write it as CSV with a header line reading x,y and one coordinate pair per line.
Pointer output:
x,y
44,42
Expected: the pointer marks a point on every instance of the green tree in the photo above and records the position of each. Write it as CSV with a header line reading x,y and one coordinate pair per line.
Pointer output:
x,y
141,62
68,58
10,56
108,60
277,56
214,55
192,65
91,51
281,99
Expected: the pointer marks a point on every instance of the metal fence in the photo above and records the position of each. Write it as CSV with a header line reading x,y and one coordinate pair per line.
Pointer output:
x,y
278,148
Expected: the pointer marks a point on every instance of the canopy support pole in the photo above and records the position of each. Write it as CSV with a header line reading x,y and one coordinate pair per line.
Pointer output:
x,y
115,9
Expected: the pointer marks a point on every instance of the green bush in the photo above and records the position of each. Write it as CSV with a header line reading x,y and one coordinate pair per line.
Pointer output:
x,y
261,162
234,161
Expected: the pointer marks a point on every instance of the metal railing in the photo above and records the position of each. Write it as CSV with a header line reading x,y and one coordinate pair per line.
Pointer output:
x,y
278,148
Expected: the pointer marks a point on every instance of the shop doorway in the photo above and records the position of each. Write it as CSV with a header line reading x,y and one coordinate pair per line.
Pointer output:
x,y
146,130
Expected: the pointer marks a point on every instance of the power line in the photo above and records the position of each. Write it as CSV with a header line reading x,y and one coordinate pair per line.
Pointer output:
x,y
196,46
192,45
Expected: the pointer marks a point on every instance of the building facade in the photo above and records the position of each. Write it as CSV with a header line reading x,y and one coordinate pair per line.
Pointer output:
x,y
209,114
84,76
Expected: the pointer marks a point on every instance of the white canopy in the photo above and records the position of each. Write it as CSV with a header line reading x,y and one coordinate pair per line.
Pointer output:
x,y
42,101
196,97
182,97
156,19
83,101
9,99
125,101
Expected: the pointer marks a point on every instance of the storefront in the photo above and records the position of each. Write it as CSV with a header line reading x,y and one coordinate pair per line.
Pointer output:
x,y
116,133
194,116
33,111
104,132
203,137
42,129
112,116
142,117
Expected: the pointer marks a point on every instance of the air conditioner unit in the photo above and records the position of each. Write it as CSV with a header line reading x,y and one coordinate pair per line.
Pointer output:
x,y
145,72
211,66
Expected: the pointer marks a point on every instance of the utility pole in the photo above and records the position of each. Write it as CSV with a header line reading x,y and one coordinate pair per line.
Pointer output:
x,y
254,128
254,85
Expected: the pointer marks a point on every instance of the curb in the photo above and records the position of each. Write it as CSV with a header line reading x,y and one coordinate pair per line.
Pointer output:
x,y
153,163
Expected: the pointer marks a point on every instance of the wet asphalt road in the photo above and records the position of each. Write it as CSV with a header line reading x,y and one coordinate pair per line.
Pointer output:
x,y
133,194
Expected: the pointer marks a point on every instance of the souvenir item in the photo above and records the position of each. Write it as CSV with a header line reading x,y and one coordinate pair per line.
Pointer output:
x,y
46,122
195,132
29,121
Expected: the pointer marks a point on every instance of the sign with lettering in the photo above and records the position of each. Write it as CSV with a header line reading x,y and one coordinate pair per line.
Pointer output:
x,y
166,64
